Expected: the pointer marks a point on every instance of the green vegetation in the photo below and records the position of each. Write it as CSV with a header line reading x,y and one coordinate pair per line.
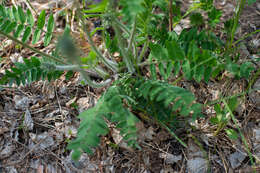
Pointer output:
x,y
142,38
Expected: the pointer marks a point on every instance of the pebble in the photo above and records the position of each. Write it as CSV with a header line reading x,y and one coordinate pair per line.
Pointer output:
x,y
236,159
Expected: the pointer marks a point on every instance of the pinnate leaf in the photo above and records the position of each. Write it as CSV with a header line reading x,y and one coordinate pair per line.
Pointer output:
x,y
21,14
27,34
41,20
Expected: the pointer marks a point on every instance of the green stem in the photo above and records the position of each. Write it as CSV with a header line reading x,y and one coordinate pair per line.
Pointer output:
x,y
254,78
110,64
130,44
144,49
126,57
241,134
172,133
95,84
32,48
122,26
245,36
191,9
29,3
234,28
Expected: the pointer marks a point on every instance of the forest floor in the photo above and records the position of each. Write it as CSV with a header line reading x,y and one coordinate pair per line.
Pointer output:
x,y
51,110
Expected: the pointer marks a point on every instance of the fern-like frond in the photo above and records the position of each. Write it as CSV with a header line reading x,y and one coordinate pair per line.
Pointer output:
x,y
177,100
110,107
29,71
22,24
192,52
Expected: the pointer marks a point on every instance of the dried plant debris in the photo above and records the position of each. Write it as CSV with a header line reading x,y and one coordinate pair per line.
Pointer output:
x,y
255,95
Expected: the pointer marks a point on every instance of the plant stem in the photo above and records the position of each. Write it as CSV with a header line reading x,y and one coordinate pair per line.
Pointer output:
x,y
172,133
241,134
252,81
144,49
234,28
110,64
85,67
32,48
125,54
130,43
245,36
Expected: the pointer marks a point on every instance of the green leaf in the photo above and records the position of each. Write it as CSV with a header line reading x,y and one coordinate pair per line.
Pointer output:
x,y
175,52
15,13
76,155
214,120
69,75
19,31
207,74
50,25
169,69
196,19
1,21
250,2
97,8
232,134
4,25
21,14
193,51
27,34
2,11
245,69
214,16
47,39
199,73
30,18
158,51
41,20
233,103
96,30
132,8
10,27
162,71
217,108
187,70
153,71
36,36
233,68
177,67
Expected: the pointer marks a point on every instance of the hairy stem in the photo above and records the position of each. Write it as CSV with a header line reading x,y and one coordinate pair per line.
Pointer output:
x,y
110,64
32,48
125,54
241,134
96,72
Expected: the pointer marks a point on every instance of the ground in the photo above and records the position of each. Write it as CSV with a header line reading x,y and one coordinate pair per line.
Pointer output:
x,y
38,120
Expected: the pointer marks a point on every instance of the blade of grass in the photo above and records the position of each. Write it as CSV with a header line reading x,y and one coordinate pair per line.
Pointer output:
x,y
240,132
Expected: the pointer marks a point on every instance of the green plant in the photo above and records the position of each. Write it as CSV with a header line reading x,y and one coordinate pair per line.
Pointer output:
x,y
143,95
23,24
139,28
110,107
31,70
